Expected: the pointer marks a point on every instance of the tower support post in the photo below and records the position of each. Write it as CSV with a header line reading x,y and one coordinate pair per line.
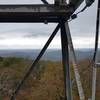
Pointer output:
x,y
65,61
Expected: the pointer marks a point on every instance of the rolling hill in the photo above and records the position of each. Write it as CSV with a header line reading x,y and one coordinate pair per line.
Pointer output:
x,y
49,55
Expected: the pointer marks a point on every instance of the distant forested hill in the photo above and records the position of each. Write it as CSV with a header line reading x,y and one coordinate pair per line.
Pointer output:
x,y
49,55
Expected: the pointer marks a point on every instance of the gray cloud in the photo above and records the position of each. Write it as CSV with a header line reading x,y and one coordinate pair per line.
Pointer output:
x,y
84,25
32,35
26,30
2,38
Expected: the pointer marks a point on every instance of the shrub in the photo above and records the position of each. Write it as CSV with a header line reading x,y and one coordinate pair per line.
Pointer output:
x,y
11,60
1,59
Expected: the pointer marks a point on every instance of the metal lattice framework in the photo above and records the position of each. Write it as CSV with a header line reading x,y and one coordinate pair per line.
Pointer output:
x,y
38,13
59,12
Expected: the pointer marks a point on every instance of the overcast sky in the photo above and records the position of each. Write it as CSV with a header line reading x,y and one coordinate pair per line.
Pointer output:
x,y
33,36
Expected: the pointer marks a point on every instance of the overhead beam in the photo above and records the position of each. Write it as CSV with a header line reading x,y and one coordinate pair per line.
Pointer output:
x,y
34,13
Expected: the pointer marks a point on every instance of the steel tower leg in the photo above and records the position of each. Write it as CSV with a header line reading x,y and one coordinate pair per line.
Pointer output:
x,y
75,65
95,55
65,60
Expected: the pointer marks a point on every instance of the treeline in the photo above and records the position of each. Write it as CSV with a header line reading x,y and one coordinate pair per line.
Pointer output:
x,y
46,82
